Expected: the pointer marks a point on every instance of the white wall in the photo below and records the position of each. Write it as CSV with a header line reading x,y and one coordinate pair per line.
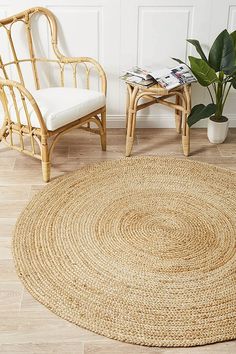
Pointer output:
x,y
122,33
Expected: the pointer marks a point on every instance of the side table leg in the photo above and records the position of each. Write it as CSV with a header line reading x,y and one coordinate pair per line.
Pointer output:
x,y
186,141
128,97
130,132
186,129
178,116
131,121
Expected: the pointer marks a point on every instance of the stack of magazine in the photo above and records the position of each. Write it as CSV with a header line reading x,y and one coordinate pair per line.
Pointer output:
x,y
166,78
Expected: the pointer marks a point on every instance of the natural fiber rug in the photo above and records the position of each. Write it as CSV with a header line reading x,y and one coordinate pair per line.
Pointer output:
x,y
142,250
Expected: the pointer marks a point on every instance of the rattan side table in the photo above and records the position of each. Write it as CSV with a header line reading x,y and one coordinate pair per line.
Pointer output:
x,y
156,94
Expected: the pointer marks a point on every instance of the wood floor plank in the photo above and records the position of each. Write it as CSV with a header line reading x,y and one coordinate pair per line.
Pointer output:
x,y
16,192
9,323
43,348
22,177
227,150
7,163
5,248
32,309
113,347
12,208
113,151
10,296
7,225
50,330
8,272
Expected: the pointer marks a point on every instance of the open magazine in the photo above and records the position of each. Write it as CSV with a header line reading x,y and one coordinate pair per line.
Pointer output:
x,y
167,78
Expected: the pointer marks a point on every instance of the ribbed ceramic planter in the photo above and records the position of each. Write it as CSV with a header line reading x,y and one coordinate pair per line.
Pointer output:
x,y
217,131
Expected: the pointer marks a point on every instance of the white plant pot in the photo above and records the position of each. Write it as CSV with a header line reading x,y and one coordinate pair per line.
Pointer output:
x,y
217,131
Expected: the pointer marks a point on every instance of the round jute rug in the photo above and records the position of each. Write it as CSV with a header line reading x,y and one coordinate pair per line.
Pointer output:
x,y
142,250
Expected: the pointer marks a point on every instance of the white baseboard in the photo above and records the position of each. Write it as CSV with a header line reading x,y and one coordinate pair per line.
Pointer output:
x,y
162,121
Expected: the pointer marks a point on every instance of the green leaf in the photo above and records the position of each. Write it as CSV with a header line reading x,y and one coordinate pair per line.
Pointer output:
x,y
203,72
179,61
230,71
233,36
222,52
198,48
234,82
200,111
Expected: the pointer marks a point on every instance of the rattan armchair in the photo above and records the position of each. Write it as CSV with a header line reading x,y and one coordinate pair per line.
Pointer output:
x,y
22,116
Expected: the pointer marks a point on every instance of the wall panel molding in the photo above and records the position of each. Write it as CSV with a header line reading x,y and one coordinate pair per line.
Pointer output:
x,y
231,22
164,16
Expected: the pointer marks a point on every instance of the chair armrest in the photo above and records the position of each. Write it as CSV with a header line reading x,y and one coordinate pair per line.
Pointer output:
x,y
70,60
24,94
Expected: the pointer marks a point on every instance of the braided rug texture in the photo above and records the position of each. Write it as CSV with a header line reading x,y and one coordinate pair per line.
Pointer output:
x,y
142,250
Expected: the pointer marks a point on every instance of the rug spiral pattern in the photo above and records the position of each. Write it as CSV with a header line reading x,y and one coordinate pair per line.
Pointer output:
x,y
142,250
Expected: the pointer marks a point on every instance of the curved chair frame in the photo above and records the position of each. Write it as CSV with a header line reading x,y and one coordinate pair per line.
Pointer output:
x,y
41,135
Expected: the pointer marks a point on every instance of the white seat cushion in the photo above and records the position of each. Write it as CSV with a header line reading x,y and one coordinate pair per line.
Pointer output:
x,y
59,106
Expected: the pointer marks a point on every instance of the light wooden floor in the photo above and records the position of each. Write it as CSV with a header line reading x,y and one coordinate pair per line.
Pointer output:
x,y
25,325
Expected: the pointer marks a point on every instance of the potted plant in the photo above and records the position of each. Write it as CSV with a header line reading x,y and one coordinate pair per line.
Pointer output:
x,y
218,74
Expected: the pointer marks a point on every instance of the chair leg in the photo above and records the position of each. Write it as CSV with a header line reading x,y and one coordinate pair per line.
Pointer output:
x,y
46,165
3,132
103,133
178,117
